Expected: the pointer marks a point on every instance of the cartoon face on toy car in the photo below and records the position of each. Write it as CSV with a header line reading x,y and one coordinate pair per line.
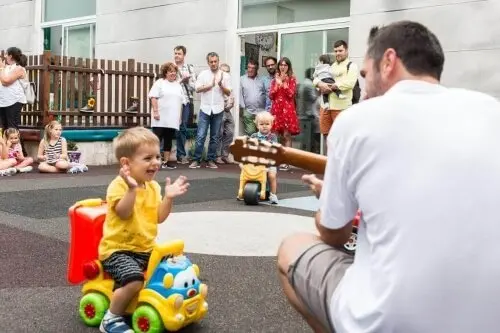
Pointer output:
x,y
176,280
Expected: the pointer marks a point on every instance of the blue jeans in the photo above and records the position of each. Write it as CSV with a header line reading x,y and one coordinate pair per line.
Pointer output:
x,y
204,121
181,135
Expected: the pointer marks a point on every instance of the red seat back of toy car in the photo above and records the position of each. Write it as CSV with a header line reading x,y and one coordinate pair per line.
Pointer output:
x,y
86,220
355,222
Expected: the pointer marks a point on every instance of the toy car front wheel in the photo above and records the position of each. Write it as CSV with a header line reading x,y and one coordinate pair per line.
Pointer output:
x,y
251,193
147,320
93,307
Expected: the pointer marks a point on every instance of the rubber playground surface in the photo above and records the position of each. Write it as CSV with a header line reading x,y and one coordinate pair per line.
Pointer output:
x,y
234,245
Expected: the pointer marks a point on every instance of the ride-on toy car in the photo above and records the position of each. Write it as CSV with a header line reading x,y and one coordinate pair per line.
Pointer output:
x,y
253,184
172,298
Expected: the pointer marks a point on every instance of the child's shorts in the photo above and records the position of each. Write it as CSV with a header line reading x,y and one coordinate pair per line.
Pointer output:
x,y
126,266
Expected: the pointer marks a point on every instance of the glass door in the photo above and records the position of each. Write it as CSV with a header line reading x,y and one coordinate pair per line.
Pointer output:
x,y
303,48
78,40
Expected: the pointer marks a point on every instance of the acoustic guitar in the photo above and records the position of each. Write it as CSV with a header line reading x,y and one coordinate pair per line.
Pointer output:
x,y
254,151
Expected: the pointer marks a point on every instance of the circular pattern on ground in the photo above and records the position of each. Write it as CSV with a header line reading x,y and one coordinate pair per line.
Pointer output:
x,y
232,233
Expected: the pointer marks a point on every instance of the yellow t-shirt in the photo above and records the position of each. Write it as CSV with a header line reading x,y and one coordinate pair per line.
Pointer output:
x,y
138,233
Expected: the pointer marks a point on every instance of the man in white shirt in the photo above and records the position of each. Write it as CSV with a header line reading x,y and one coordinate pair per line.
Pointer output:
x,y
212,84
418,159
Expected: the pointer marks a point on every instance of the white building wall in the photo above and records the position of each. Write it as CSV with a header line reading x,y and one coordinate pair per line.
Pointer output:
x,y
148,30
467,30
16,24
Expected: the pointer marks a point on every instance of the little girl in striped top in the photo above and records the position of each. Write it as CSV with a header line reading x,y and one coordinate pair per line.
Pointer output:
x,y
53,149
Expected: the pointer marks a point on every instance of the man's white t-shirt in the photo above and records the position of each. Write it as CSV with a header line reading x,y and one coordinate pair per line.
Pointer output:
x,y
170,99
212,101
422,163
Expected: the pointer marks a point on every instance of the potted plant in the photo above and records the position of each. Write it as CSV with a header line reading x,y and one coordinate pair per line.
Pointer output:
x,y
73,153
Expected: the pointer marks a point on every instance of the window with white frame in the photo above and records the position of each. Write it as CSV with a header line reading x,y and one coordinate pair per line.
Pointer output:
x,y
56,10
255,13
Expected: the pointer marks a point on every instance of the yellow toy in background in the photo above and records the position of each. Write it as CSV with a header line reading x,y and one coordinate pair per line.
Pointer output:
x,y
253,184
173,295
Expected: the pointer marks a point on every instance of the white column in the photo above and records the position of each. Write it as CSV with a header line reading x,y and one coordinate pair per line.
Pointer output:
x,y
233,56
37,36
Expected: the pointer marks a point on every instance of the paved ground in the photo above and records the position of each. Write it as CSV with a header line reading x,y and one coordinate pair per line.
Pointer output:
x,y
233,244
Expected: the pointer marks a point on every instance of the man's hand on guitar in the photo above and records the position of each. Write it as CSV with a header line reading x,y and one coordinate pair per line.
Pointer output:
x,y
314,183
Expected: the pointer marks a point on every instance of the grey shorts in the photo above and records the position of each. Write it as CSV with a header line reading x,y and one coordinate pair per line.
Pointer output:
x,y
315,275
125,267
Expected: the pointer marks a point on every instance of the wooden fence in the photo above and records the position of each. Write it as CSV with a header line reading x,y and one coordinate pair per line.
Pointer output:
x,y
65,85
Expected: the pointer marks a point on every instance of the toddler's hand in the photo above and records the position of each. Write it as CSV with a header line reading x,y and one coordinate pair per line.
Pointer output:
x,y
125,174
179,187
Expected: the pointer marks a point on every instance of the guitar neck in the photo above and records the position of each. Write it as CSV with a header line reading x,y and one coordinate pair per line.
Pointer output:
x,y
304,160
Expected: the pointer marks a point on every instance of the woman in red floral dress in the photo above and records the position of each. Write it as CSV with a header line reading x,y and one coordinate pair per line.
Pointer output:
x,y
283,108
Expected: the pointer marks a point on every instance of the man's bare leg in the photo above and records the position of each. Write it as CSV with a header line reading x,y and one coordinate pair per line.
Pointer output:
x,y
289,250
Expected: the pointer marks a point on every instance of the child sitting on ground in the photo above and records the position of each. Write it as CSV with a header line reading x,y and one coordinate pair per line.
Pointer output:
x,y
6,163
135,207
264,121
12,139
53,149
324,73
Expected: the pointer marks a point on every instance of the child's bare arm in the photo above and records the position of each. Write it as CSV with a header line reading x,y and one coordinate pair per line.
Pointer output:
x,y
4,152
64,147
164,209
41,150
179,187
125,206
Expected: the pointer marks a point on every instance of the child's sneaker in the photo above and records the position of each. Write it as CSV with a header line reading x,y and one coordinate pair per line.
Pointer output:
x,y
114,324
25,169
74,169
8,172
273,198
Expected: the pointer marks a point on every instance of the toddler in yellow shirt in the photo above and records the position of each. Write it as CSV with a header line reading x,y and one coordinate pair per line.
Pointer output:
x,y
135,207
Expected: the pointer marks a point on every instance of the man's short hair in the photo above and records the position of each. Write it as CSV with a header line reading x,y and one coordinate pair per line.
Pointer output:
x,y
340,43
270,58
182,48
128,141
254,62
212,54
418,48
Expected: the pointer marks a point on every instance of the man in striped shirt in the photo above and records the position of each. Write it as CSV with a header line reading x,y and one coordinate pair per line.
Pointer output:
x,y
187,77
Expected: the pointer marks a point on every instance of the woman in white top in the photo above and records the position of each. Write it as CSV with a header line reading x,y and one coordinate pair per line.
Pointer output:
x,y
167,99
12,97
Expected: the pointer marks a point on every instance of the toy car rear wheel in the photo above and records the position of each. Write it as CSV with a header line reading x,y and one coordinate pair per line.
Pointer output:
x,y
251,194
93,307
147,320
350,246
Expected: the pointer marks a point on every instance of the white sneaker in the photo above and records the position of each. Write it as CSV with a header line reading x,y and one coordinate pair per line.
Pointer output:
x,y
25,169
273,198
8,172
